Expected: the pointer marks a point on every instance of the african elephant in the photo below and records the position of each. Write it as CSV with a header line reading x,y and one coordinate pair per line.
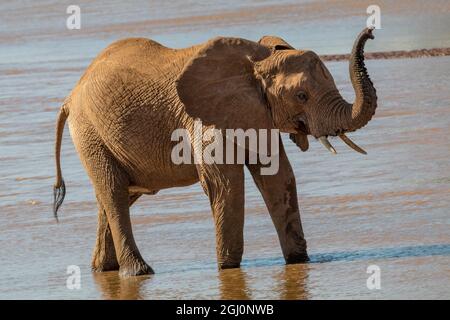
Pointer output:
x,y
137,92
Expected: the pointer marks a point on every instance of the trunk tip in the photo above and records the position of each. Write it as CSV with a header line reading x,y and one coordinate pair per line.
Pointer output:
x,y
368,31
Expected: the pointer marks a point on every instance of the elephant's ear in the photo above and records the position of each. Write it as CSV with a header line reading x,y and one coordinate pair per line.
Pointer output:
x,y
301,140
219,86
275,43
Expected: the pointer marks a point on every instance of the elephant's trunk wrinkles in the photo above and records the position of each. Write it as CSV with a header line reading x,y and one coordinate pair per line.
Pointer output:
x,y
348,117
365,103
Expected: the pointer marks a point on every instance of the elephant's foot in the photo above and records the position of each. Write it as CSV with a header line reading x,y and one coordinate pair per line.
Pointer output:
x,y
301,257
134,267
102,265
223,266
230,261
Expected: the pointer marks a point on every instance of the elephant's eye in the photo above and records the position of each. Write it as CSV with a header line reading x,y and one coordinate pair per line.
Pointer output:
x,y
302,96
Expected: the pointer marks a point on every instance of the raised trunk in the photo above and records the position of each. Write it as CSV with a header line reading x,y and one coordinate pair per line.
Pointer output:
x,y
348,117
366,98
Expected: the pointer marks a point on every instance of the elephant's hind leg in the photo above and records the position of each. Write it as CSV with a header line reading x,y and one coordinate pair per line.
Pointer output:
x,y
111,183
104,257
112,191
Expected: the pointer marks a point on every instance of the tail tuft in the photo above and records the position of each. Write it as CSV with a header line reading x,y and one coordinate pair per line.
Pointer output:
x,y
58,197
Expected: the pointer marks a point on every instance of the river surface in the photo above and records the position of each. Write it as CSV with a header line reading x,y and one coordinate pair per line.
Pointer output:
x,y
389,209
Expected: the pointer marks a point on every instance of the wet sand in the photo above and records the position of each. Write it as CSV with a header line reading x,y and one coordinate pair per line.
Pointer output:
x,y
390,208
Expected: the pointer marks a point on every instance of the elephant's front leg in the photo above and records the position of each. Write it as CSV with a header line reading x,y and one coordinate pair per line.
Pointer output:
x,y
280,195
224,185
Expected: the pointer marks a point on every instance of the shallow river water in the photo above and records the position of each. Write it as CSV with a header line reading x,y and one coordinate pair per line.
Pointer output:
x,y
390,208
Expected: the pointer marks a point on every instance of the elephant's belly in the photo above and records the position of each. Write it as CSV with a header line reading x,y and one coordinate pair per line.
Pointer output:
x,y
150,166
149,180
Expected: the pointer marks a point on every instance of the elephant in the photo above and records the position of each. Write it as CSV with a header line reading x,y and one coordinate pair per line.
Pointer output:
x,y
136,92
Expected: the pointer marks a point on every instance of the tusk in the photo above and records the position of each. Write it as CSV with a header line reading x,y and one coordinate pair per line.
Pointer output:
x,y
327,144
351,144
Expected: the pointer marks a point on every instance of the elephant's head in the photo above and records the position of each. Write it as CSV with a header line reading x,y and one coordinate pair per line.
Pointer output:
x,y
235,83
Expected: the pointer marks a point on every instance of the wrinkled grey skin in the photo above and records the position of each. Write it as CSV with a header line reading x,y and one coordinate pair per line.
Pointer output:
x,y
123,110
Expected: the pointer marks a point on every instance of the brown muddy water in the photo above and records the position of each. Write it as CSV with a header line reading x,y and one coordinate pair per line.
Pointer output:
x,y
390,208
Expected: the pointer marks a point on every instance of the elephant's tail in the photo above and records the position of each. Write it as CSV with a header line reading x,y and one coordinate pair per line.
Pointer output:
x,y
59,189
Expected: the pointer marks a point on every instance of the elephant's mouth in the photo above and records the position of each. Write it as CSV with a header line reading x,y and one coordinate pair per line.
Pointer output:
x,y
301,125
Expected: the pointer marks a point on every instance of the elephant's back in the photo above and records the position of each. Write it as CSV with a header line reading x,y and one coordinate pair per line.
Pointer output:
x,y
140,55
129,78
128,97
126,50
134,53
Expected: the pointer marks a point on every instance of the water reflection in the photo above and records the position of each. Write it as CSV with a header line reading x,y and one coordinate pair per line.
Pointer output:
x,y
113,287
288,283
257,279
292,282
233,285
